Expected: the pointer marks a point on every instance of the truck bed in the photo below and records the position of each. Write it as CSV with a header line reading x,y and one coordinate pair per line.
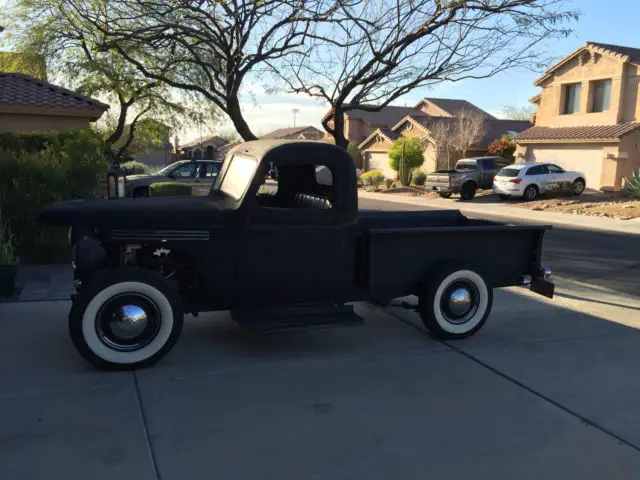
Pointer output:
x,y
397,249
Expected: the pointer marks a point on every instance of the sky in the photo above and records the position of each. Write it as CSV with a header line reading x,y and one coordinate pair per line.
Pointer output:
x,y
601,21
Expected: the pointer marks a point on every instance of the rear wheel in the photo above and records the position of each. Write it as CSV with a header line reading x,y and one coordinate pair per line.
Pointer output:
x,y
530,193
468,191
445,194
125,319
455,302
578,186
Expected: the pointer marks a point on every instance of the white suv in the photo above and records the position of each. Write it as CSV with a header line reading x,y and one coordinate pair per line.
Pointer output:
x,y
528,180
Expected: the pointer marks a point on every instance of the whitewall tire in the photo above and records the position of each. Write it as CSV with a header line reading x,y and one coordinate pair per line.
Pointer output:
x,y
125,319
455,302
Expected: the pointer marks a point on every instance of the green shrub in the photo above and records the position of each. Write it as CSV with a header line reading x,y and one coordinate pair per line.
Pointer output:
x,y
632,185
7,254
170,189
39,169
412,153
419,178
136,168
373,178
388,182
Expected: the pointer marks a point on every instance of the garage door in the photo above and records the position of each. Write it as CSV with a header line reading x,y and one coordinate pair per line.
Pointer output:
x,y
380,161
587,160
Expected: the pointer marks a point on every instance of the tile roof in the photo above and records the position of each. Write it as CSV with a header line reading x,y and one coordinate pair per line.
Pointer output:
x,y
497,128
454,106
389,134
631,52
285,132
17,89
384,131
594,132
387,116
214,140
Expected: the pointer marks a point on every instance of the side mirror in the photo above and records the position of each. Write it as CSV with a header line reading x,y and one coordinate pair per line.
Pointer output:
x,y
171,175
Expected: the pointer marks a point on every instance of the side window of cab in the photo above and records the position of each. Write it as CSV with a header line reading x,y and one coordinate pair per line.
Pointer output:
x,y
298,187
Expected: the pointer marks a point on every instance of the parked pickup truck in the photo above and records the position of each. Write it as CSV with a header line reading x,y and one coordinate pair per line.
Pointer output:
x,y
470,174
141,264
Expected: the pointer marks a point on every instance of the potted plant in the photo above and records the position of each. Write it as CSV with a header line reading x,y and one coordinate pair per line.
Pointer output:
x,y
8,261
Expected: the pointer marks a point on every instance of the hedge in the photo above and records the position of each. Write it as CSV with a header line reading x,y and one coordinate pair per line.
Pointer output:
x,y
39,169
136,168
170,189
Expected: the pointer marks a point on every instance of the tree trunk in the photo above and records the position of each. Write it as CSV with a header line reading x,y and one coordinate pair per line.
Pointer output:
x,y
239,123
117,133
338,128
448,159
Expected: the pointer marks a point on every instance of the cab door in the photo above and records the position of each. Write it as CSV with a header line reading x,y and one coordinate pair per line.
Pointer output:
x,y
295,251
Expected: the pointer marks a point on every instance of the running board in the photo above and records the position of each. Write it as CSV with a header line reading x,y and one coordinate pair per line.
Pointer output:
x,y
298,318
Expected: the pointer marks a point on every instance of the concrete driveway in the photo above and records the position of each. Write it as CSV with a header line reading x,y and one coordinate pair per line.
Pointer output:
x,y
548,389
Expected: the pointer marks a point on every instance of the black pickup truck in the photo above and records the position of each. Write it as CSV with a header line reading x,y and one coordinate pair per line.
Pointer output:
x,y
303,246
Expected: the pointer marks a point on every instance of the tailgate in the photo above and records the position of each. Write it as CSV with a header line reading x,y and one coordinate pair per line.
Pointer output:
x,y
436,179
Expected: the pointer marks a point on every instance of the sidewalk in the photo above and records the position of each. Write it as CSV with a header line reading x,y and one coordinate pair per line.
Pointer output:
x,y
582,222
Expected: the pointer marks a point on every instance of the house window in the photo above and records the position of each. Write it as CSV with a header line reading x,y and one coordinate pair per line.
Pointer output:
x,y
601,95
572,98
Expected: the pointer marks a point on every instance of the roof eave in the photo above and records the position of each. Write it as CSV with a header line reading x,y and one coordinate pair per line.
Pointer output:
x,y
572,140
411,120
92,113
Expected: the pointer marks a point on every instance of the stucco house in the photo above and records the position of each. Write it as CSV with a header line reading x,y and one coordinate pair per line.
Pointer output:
x,y
588,115
359,124
31,105
207,148
306,132
421,121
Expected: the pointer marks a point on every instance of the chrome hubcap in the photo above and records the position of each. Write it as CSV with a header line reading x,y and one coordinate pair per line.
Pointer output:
x,y
127,322
579,187
459,302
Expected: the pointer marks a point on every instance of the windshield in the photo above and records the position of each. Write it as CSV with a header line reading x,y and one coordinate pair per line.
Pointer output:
x,y
168,168
468,165
238,176
508,172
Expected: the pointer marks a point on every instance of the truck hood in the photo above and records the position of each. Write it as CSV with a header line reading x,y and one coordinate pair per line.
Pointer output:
x,y
150,212
136,180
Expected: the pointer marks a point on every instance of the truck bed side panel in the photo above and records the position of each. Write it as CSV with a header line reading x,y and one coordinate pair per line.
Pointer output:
x,y
399,260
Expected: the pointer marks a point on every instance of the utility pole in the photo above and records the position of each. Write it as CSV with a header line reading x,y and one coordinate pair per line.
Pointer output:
x,y
295,112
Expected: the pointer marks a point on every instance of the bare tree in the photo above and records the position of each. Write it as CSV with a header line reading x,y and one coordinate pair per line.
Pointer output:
x,y
470,127
373,52
207,46
513,112
441,133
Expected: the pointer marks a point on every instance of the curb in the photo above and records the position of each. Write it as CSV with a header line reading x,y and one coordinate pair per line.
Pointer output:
x,y
578,222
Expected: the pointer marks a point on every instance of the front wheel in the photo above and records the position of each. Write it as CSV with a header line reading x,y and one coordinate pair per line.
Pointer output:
x,y
125,319
578,186
455,302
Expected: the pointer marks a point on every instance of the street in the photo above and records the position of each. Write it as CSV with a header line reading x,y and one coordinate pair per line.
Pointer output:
x,y
609,260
